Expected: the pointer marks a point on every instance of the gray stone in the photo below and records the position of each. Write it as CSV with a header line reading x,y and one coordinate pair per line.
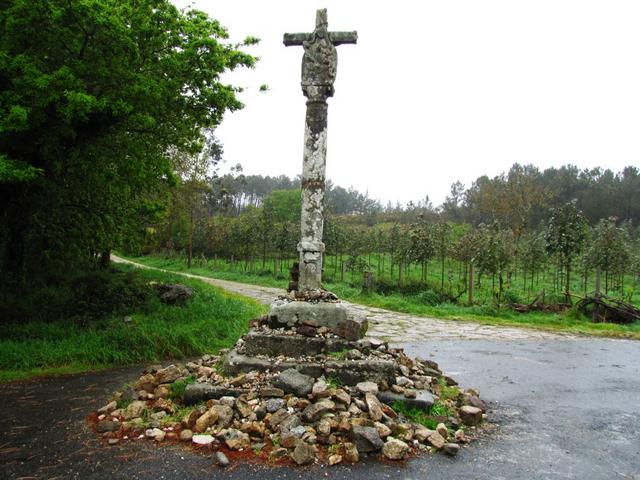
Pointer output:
x,y
186,435
316,410
374,406
290,438
292,381
436,440
134,410
289,422
108,408
303,454
366,439
235,363
367,387
395,449
224,415
274,404
451,449
174,293
199,392
168,375
202,439
220,459
334,316
236,440
424,399
107,426
470,415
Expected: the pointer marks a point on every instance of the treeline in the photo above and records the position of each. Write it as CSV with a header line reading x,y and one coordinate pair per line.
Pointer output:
x,y
522,231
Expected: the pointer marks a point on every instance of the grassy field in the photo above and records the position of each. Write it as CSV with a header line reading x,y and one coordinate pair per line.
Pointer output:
x,y
570,322
211,320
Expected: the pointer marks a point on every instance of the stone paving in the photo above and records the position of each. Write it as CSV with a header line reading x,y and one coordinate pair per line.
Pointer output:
x,y
392,326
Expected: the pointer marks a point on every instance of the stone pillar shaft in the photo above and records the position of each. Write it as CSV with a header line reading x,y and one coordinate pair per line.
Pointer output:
x,y
313,183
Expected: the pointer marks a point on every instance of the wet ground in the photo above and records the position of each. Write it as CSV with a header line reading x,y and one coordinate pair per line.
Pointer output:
x,y
564,410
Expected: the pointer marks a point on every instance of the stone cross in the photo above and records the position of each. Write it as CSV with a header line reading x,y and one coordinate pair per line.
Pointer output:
x,y
319,64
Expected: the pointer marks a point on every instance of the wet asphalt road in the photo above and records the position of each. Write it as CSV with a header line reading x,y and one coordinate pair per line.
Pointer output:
x,y
565,409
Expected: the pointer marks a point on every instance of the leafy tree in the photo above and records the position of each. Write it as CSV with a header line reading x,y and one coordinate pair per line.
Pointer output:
x,y
610,249
441,234
565,236
422,244
95,93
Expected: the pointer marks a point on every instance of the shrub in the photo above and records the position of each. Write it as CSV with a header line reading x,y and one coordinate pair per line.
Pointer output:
x,y
509,296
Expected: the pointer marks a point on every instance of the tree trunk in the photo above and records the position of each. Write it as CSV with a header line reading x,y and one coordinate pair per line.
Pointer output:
x,y
190,246
470,300
105,259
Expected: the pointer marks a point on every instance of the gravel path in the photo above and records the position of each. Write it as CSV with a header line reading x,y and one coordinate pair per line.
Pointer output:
x,y
391,326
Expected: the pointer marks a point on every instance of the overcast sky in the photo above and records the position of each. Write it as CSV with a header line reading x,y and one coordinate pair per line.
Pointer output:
x,y
439,91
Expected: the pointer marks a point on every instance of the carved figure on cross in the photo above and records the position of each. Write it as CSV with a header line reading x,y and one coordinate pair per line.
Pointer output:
x,y
319,64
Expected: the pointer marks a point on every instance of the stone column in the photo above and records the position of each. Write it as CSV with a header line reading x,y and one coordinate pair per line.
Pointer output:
x,y
319,64
313,184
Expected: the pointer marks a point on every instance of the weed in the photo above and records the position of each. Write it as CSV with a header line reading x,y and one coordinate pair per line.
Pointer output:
x,y
447,392
339,355
420,416
334,382
334,449
178,387
439,410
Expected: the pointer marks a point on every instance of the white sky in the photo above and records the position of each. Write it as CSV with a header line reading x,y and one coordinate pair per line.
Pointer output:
x,y
437,91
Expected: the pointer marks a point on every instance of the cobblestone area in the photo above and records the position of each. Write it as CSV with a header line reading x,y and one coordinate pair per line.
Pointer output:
x,y
393,326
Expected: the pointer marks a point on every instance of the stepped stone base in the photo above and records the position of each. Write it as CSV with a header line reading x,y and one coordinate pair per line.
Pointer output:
x,y
274,344
333,316
348,372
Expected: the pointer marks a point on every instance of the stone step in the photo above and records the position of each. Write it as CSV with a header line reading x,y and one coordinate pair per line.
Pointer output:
x,y
347,372
334,316
273,344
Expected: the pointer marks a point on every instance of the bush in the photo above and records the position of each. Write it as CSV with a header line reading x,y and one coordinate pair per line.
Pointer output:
x,y
509,296
84,296
431,298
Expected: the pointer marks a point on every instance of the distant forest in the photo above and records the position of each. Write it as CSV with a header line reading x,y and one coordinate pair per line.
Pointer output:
x,y
522,198
517,225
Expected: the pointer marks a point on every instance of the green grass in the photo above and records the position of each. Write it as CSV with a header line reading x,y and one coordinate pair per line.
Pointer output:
x,y
211,320
422,417
412,304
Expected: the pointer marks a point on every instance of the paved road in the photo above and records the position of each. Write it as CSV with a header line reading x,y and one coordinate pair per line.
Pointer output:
x,y
566,408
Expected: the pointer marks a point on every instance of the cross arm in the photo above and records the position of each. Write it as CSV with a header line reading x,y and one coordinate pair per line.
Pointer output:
x,y
337,38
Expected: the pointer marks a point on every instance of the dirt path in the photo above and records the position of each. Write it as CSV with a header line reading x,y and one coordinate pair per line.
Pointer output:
x,y
385,324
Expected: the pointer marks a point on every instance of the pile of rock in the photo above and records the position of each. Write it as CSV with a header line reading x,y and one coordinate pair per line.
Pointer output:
x,y
294,415
302,385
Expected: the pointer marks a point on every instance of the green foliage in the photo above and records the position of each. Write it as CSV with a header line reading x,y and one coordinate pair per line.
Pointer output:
x,y
178,387
333,382
212,320
447,392
95,94
422,417
339,355
81,297
488,314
